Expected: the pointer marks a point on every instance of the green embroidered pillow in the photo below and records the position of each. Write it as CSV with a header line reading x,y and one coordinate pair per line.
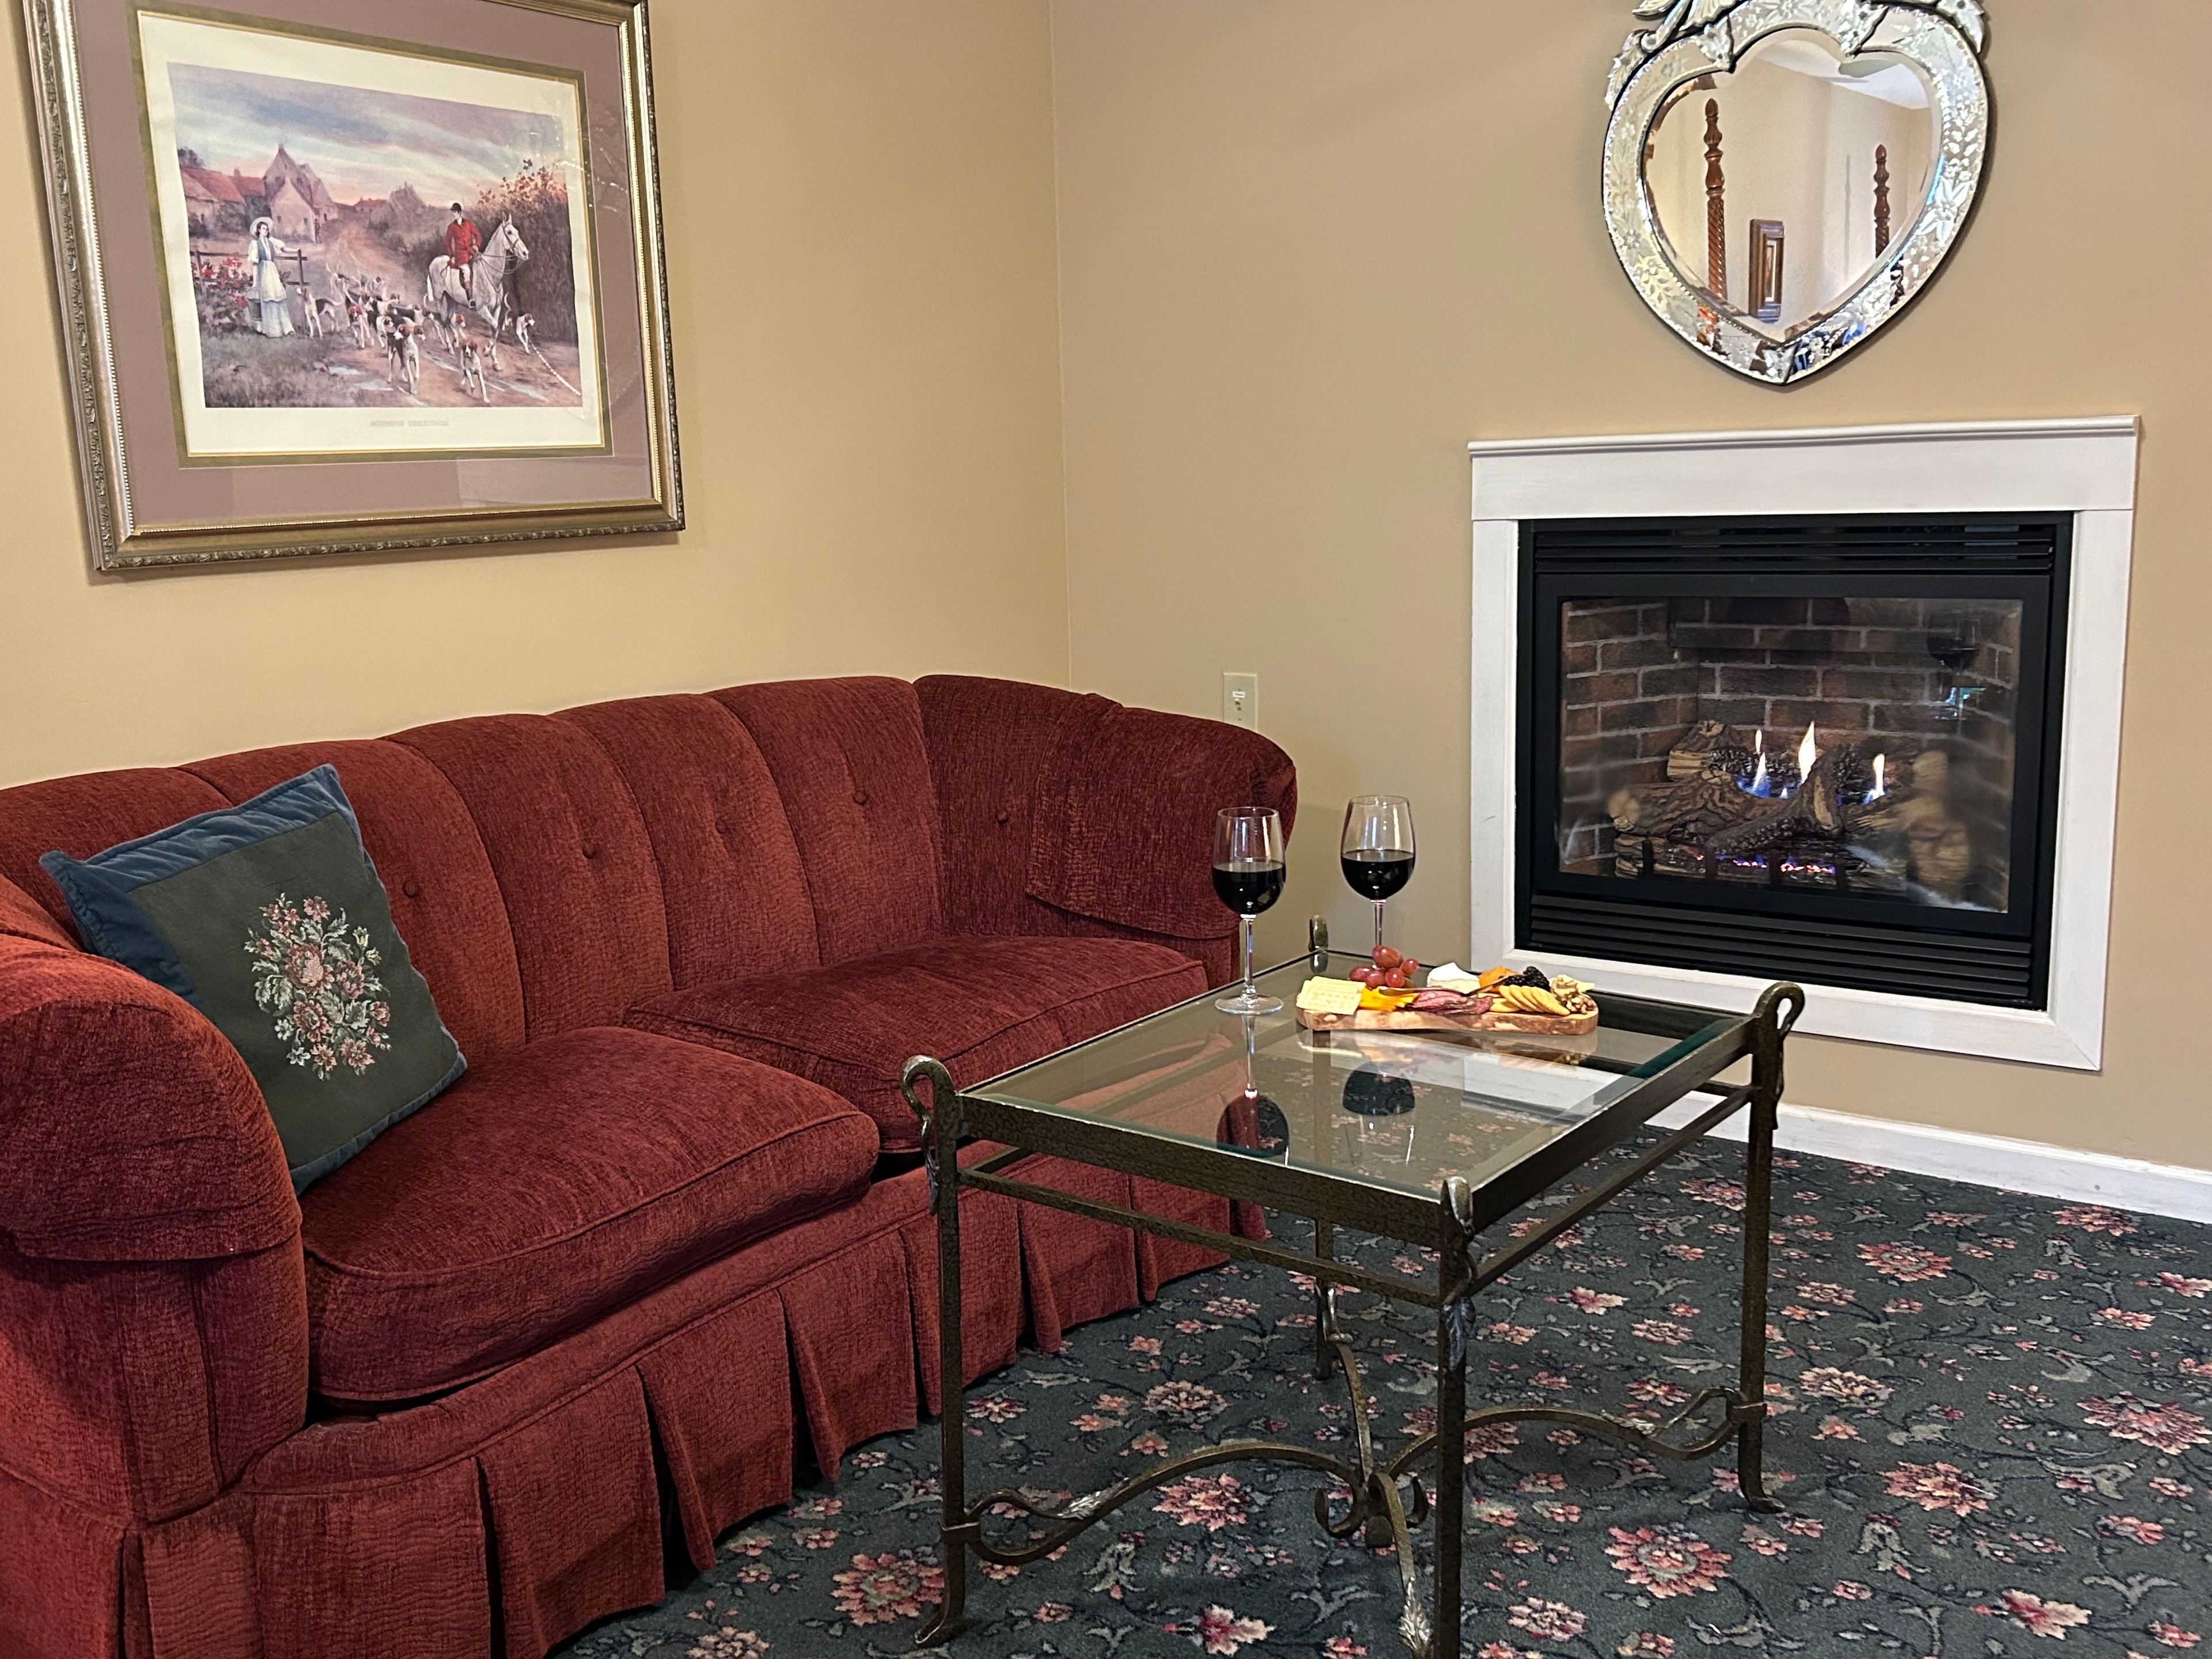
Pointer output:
x,y
269,918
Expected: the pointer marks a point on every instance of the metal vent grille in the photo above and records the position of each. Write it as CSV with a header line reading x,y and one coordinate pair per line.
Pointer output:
x,y
2000,972
1823,547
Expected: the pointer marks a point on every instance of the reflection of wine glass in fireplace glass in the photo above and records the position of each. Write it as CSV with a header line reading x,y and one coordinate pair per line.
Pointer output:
x,y
1954,640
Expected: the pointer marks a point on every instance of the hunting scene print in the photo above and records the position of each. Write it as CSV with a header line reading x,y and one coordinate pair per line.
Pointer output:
x,y
352,245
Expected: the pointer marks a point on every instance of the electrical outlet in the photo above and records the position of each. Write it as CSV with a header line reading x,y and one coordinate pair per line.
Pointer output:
x,y
1240,700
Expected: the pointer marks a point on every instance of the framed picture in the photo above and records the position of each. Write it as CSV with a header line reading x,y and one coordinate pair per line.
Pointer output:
x,y
336,279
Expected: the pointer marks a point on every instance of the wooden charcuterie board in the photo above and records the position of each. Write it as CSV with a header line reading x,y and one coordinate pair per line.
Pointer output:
x,y
1372,1019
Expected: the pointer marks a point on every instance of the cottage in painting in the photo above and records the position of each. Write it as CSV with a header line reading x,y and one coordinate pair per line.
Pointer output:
x,y
299,204
207,194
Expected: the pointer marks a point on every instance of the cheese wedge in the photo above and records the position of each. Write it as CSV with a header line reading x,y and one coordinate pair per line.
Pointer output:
x,y
1387,1002
1330,996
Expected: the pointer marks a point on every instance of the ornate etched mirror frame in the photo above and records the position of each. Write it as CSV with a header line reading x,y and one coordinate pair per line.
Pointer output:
x,y
1943,39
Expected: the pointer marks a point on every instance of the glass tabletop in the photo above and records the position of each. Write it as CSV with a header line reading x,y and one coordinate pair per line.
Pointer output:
x,y
1400,1110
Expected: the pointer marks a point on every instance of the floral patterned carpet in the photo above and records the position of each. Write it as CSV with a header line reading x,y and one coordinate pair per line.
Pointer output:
x,y
1990,1433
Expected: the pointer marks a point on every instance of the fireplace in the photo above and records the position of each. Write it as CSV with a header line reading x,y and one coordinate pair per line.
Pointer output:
x,y
1822,747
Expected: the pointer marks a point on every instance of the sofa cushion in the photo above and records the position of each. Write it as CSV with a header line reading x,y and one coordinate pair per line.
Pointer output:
x,y
730,869
445,901
981,1005
1089,853
551,1185
991,744
849,760
1032,789
82,814
322,1002
573,864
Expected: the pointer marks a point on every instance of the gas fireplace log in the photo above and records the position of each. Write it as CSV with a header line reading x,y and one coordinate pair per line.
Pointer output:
x,y
1695,749
1921,837
1691,810
1813,812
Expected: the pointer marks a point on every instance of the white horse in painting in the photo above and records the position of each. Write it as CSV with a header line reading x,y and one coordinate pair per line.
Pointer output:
x,y
490,293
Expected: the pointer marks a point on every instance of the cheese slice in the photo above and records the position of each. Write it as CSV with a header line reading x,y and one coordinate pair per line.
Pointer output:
x,y
1330,996
1388,1002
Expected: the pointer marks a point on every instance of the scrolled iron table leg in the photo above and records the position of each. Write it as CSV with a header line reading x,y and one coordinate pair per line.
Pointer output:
x,y
1441,1639
940,1139
1773,1025
1324,1353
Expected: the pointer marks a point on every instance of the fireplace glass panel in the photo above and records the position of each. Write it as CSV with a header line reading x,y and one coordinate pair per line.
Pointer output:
x,y
1863,747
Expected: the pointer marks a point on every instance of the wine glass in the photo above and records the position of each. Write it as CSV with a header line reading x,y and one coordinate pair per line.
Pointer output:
x,y
1954,636
1248,875
1378,849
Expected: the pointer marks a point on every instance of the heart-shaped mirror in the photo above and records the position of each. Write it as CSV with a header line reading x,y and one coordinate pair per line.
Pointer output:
x,y
1783,176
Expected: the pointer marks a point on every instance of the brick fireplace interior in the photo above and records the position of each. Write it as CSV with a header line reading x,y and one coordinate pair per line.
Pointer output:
x,y
1925,687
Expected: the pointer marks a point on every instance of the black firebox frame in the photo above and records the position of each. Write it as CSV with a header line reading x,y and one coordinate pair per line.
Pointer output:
x,y
1850,939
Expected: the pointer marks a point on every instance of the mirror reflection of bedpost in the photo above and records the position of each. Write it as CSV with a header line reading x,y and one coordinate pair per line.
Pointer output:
x,y
1880,200
1715,204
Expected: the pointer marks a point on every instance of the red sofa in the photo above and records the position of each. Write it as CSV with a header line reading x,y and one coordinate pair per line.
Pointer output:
x,y
664,1241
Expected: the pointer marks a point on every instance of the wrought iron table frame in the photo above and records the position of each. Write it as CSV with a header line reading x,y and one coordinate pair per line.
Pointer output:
x,y
1448,1224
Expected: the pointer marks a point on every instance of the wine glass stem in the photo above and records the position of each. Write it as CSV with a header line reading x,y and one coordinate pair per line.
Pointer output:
x,y
1251,991
1378,923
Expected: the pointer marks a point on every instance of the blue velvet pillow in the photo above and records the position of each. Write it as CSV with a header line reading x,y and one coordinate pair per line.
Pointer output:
x,y
269,918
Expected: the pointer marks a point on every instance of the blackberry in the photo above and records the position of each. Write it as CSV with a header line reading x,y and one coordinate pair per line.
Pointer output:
x,y
1533,977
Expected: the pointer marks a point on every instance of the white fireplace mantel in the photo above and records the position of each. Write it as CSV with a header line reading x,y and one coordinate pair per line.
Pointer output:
x,y
2084,467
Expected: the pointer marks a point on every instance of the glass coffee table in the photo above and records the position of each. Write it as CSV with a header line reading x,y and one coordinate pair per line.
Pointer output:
x,y
1427,1138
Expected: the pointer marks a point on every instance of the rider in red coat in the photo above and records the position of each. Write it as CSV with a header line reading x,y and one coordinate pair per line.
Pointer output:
x,y
463,244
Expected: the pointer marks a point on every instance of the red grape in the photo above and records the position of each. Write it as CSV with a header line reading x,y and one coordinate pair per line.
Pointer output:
x,y
1363,974
1386,958
1395,978
1410,967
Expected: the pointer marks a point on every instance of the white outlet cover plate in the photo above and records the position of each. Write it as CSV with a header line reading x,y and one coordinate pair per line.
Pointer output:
x,y
1244,709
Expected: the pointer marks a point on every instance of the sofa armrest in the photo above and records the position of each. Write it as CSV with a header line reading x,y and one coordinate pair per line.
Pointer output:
x,y
1086,808
130,1130
151,1280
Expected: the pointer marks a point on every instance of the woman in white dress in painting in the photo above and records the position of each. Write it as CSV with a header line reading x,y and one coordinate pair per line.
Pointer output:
x,y
269,292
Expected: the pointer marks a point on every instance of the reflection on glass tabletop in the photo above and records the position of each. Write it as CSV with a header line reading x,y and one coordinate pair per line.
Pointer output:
x,y
1399,1109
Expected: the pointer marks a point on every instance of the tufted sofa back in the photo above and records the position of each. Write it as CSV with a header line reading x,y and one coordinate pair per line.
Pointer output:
x,y
548,871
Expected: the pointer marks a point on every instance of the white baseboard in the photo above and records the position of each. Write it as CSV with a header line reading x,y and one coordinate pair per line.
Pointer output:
x,y
2019,1166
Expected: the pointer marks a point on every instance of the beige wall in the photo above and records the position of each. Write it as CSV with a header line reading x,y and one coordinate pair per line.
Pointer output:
x,y
859,198
1309,248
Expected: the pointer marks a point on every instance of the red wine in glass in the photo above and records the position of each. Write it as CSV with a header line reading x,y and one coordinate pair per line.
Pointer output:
x,y
1378,872
1247,877
1248,888
1377,851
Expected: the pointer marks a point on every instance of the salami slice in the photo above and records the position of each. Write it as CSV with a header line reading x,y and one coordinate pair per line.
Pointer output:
x,y
1448,1002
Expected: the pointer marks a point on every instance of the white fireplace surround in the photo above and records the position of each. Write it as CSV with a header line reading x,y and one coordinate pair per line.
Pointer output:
x,y
2083,467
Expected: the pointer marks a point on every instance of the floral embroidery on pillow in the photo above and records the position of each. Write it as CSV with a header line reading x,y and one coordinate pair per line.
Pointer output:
x,y
315,975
